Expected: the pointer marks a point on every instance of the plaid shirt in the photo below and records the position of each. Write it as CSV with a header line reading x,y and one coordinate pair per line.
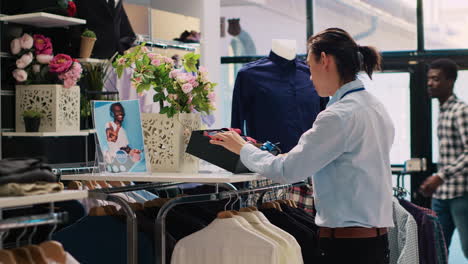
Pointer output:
x,y
302,195
452,132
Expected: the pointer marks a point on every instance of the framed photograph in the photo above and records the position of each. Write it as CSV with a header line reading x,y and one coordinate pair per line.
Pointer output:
x,y
120,136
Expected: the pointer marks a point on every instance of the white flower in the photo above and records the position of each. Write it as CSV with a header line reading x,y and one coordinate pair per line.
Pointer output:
x,y
44,58
26,41
24,61
36,68
20,75
15,46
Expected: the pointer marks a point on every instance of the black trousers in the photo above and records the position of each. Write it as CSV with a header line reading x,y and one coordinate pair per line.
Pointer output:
x,y
354,250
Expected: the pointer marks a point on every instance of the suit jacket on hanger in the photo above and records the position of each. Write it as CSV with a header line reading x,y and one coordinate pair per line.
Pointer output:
x,y
112,27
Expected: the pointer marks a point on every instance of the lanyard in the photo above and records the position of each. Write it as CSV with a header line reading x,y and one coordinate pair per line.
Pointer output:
x,y
352,91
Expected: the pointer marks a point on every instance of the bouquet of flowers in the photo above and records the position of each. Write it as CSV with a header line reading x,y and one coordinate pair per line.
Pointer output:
x,y
184,90
36,63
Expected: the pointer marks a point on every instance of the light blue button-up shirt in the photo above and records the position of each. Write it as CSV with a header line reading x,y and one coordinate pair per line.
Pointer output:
x,y
347,151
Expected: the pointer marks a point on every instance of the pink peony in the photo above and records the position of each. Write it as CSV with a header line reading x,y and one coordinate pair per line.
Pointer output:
x,y
44,58
15,46
187,88
68,83
174,73
121,61
195,84
20,75
36,68
61,63
152,56
168,60
26,41
24,61
42,44
212,97
156,62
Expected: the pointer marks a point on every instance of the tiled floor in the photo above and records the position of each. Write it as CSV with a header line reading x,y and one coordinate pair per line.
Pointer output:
x,y
456,254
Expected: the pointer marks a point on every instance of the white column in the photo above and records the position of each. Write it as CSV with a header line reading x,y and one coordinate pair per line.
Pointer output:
x,y
210,51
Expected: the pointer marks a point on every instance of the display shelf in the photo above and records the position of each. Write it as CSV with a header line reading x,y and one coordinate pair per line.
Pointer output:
x,y
44,20
215,177
15,201
47,134
92,60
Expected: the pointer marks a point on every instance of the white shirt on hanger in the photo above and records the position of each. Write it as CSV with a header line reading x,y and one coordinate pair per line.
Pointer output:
x,y
287,252
224,241
288,237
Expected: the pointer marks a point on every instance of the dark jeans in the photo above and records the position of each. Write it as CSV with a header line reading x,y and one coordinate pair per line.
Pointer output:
x,y
354,250
453,213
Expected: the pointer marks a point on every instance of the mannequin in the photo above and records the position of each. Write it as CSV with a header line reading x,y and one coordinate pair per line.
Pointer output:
x,y
285,48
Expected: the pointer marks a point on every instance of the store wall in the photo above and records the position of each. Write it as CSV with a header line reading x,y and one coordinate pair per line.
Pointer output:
x,y
168,25
139,18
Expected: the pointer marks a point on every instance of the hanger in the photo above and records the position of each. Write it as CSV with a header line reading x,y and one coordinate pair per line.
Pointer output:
x,y
104,184
75,185
158,202
246,209
37,254
225,214
22,256
7,257
54,251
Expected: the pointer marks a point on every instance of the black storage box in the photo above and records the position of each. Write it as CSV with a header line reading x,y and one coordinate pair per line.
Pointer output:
x,y
200,146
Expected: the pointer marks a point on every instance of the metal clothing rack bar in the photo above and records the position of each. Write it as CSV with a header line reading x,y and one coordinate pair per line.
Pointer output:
x,y
160,239
33,220
167,45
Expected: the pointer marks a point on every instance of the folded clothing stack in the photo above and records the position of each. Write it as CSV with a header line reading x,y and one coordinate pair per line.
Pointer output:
x,y
20,177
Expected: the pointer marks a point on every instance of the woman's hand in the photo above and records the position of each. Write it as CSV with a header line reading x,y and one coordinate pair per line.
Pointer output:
x,y
229,140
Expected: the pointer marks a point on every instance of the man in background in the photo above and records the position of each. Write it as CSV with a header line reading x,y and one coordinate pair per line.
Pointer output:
x,y
449,186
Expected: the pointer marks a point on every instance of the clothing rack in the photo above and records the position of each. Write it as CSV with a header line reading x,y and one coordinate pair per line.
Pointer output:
x,y
160,239
33,220
162,45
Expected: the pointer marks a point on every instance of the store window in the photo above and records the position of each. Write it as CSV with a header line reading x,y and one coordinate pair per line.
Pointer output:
x,y
247,27
392,89
389,25
462,92
445,24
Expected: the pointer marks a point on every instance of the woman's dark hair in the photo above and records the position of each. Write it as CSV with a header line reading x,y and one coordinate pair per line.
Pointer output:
x,y
447,66
349,56
112,109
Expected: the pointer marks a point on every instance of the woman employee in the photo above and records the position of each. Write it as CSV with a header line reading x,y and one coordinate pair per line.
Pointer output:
x,y
346,151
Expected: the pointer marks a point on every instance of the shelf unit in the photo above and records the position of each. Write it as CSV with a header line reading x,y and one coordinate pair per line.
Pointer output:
x,y
44,20
46,134
215,177
16,201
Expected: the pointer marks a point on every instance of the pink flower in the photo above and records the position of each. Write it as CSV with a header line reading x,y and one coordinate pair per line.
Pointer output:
x,y
44,58
152,56
36,68
212,97
195,84
168,60
68,83
174,73
61,63
15,46
26,41
42,45
121,61
187,88
20,75
137,80
24,61
173,96
202,69
156,62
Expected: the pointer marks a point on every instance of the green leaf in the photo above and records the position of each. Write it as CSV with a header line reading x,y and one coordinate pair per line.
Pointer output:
x,y
146,60
164,110
119,71
142,87
158,97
